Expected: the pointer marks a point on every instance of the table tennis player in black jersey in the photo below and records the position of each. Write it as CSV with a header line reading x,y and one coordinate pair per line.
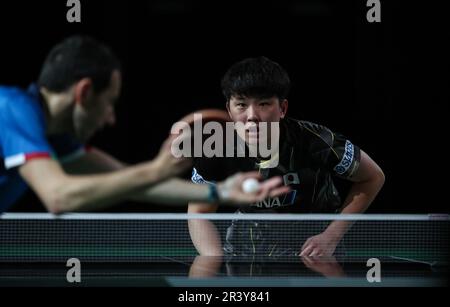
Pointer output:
x,y
308,156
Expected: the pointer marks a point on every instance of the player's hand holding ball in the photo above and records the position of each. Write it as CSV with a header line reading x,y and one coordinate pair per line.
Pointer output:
x,y
250,185
246,188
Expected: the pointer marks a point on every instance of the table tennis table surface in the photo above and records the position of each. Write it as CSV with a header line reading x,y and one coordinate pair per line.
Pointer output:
x,y
207,271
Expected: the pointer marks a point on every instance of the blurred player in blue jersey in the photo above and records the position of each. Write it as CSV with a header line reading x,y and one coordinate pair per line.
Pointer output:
x,y
43,130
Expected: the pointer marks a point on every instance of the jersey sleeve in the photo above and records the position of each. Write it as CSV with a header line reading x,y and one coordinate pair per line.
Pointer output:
x,y
22,135
333,151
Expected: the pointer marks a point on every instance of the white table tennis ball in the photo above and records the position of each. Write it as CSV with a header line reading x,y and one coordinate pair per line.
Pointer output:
x,y
250,185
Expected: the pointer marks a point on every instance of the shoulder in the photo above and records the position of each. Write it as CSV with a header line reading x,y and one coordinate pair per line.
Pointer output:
x,y
301,130
17,104
304,126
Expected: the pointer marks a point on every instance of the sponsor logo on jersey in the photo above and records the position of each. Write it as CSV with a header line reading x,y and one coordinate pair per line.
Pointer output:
x,y
197,178
291,178
347,159
275,202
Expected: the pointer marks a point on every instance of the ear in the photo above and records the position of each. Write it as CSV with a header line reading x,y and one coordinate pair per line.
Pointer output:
x,y
283,107
83,91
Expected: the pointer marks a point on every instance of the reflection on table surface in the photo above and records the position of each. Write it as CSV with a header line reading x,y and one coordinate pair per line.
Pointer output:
x,y
231,271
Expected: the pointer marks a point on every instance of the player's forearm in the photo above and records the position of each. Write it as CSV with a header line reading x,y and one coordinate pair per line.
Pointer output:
x,y
205,237
358,200
205,266
94,161
174,191
91,192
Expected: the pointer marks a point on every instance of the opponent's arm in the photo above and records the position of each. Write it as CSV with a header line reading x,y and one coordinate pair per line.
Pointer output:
x,y
368,180
63,192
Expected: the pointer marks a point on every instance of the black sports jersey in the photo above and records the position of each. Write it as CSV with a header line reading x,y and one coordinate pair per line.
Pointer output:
x,y
310,154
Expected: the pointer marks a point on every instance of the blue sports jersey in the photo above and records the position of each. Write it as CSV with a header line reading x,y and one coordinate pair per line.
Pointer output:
x,y
23,137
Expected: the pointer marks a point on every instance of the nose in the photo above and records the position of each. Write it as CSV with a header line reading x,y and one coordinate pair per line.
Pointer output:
x,y
252,114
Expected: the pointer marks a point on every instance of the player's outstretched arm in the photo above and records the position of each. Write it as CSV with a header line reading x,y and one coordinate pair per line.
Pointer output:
x,y
62,192
230,191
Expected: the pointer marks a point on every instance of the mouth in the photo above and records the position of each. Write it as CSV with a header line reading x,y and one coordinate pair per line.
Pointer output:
x,y
252,130
251,134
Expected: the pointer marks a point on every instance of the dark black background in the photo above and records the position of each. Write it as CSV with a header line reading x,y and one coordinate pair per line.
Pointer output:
x,y
381,84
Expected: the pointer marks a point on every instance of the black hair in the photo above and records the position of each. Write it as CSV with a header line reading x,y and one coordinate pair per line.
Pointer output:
x,y
256,77
78,57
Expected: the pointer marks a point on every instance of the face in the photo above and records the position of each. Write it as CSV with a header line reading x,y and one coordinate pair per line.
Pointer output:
x,y
96,110
252,111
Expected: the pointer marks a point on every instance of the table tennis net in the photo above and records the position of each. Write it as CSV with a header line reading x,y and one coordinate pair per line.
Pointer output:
x,y
156,237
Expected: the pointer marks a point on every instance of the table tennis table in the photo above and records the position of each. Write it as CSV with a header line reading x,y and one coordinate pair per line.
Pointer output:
x,y
172,272
112,253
